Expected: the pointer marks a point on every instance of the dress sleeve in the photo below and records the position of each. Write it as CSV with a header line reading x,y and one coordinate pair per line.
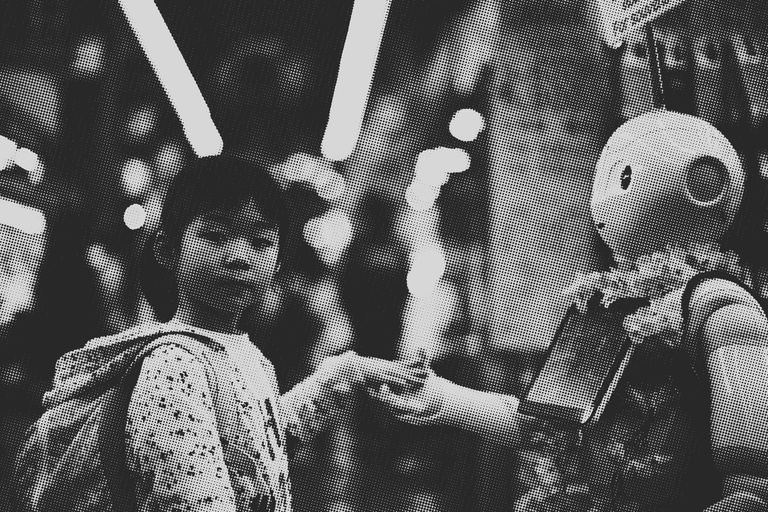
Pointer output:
x,y
172,441
312,404
307,410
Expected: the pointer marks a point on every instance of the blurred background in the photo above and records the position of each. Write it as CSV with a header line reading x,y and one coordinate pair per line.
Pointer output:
x,y
515,97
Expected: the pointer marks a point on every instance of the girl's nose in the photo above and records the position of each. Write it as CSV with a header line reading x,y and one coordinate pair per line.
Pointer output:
x,y
238,256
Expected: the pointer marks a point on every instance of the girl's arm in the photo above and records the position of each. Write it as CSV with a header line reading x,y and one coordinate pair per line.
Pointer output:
x,y
172,439
309,407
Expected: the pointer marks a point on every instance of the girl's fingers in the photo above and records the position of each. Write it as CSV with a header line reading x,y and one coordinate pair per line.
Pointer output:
x,y
384,371
392,400
405,408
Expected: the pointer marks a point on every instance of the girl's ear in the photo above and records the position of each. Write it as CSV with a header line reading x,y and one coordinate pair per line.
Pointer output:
x,y
164,253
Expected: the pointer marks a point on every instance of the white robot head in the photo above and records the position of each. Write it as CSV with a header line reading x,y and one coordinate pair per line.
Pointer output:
x,y
665,178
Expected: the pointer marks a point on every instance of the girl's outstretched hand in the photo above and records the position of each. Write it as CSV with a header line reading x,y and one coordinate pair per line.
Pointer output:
x,y
417,405
350,371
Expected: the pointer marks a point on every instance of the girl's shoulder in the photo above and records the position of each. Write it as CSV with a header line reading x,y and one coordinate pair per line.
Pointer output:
x,y
143,330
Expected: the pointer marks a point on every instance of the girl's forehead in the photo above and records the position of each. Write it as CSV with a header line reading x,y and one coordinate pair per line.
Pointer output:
x,y
247,214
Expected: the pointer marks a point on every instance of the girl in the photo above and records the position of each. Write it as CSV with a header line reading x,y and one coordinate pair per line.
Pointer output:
x,y
211,437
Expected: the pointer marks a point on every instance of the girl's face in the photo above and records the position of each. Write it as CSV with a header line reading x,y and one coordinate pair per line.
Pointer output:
x,y
227,260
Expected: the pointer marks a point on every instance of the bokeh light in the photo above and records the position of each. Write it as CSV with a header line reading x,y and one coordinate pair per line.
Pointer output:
x,y
426,269
26,159
329,234
135,216
136,175
89,57
7,152
169,159
466,124
141,122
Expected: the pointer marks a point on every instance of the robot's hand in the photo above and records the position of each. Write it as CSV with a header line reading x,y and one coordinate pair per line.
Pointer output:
x,y
417,406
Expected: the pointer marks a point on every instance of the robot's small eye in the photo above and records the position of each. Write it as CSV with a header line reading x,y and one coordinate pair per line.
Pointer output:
x,y
626,177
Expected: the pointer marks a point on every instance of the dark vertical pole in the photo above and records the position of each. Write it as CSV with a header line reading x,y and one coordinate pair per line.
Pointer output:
x,y
655,67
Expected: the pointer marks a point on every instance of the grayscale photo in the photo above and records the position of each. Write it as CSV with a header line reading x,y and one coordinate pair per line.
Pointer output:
x,y
384,256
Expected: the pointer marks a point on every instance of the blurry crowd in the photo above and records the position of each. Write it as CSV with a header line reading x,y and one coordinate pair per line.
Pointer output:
x,y
389,250
88,144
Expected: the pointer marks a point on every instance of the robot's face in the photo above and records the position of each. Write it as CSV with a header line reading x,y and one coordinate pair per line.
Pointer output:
x,y
665,178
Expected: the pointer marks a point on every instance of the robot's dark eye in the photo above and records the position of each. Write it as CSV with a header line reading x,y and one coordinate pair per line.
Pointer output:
x,y
626,177
707,179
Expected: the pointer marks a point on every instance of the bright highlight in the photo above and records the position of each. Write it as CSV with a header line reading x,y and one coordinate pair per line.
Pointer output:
x,y
466,124
358,61
135,216
174,75
25,219
427,268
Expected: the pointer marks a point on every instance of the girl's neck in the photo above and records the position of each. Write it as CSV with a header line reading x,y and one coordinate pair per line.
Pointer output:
x,y
209,319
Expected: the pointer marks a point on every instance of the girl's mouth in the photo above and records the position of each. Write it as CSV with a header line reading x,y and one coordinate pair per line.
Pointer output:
x,y
236,285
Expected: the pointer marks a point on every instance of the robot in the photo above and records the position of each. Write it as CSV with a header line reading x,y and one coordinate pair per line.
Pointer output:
x,y
685,427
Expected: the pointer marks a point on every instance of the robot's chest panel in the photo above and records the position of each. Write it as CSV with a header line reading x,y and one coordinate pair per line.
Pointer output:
x,y
638,455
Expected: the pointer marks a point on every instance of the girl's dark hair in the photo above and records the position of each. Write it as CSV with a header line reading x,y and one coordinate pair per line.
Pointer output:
x,y
207,184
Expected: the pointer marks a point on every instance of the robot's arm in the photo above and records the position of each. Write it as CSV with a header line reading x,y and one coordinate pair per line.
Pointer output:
x,y
728,337
493,416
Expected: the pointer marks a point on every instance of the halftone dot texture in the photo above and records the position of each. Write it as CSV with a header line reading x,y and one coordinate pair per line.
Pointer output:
x,y
550,96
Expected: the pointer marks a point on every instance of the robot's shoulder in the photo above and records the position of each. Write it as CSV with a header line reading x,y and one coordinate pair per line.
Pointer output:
x,y
708,291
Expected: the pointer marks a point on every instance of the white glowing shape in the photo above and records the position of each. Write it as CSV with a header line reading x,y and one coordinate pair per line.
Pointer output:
x,y
169,159
451,160
329,234
89,57
426,269
428,171
353,84
18,293
7,152
135,216
141,122
421,196
107,267
136,176
168,63
330,185
25,219
466,124
302,167
26,159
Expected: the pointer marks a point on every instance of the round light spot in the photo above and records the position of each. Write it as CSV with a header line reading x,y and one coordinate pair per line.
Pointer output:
x,y
141,122
135,216
466,124
169,159
135,177
89,57
332,230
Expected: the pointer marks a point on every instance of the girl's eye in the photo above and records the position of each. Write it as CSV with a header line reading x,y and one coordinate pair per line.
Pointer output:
x,y
216,237
263,243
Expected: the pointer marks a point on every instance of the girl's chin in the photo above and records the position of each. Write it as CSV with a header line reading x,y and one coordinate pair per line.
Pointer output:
x,y
224,306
